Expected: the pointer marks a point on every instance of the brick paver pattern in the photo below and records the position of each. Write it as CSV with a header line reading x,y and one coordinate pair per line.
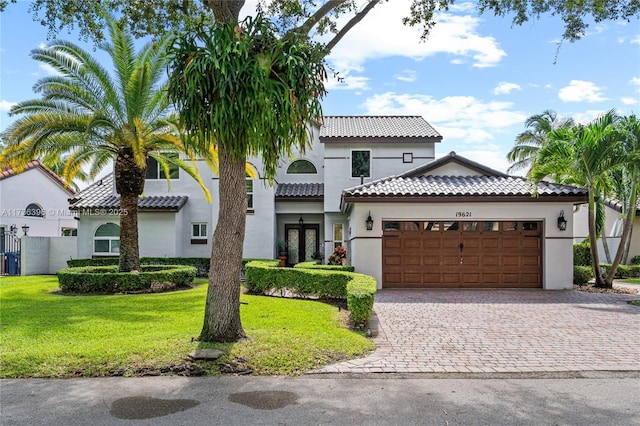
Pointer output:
x,y
493,331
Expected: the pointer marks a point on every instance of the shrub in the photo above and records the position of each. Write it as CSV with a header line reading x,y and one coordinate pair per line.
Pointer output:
x,y
635,260
339,254
582,254
106,279
358,289
624,271
314,264
582,274
200,263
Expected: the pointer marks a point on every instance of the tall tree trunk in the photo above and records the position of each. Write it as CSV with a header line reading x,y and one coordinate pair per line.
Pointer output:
x,y
626,230
222,313
593,241
605,244
129,184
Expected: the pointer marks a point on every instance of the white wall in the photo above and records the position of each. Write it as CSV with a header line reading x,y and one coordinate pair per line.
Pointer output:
x,y
386,160
557,250
35,186
46,255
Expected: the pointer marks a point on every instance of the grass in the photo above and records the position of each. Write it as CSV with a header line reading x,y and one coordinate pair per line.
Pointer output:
x,y
631,281
46,334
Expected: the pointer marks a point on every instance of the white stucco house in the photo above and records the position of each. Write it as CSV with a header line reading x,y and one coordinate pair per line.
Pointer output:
x,y
37,198
614,221
373,185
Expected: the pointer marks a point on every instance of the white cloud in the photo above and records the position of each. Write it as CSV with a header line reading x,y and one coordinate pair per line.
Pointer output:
x,y
407,76
381,34
635,81
581,91
635,40
629,101
348,82
504,88
5,106
455,117
587,116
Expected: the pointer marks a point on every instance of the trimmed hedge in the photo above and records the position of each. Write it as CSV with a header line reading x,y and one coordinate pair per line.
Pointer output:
x,y
635,260
359,290
624,271
314,264
107,279
200,263
582,254
582,274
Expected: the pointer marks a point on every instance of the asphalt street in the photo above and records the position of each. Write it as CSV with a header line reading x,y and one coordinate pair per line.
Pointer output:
x,y
597,399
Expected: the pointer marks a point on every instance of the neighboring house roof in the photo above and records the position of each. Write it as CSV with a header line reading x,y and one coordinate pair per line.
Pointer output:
x,y
452,157
99,195
377,129
618,205
8,172
299,192
492,185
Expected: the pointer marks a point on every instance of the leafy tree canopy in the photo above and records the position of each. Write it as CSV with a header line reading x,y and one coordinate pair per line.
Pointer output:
x,y
154,17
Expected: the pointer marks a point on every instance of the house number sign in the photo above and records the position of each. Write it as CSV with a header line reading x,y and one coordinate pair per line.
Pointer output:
x,y
463,214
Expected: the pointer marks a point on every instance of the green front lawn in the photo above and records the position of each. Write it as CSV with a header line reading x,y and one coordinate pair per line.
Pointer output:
x,y
45,334
631,281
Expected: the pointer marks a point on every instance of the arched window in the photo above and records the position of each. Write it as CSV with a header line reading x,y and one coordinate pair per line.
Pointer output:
x,y
302,167
34,210
106,240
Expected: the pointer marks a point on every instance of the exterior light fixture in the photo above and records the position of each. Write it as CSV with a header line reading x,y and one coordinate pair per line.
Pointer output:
x,y
13,228
369,222
25,229
562,222
301,221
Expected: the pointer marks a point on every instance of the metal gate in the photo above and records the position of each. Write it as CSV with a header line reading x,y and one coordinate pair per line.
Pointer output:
x,y
9,251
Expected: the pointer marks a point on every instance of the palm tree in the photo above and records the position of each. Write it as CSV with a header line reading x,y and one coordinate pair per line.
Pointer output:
x,y
626,182
583,155
529,142
91,118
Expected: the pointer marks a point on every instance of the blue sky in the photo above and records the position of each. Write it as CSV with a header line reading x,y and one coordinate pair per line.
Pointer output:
x,y
476,79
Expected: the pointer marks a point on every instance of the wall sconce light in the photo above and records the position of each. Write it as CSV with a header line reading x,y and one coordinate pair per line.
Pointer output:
x,y
25,229
369,222
13,228
301,221
562,222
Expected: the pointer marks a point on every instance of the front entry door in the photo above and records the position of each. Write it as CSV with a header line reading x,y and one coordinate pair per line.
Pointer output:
x,y
302,242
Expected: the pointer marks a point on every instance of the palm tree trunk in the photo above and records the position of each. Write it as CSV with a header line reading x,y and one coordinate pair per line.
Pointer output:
x,y
626,231
605,244
129,184
593,241
222,314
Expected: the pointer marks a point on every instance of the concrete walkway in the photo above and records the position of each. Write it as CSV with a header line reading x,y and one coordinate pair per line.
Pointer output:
x,y
501,331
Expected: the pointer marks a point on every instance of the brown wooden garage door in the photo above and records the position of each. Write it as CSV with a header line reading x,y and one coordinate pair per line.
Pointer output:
x,y
489,254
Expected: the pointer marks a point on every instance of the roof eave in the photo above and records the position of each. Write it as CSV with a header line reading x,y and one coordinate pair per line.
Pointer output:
x,y
378,139
573,198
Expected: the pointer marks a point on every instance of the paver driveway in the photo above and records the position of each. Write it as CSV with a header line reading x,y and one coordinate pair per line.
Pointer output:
x,y
488,331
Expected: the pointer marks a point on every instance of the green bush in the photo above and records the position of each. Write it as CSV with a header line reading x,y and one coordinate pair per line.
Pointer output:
x,y
582,254
106,279
358,289
200,263
636,260
624,271
314,264
582,274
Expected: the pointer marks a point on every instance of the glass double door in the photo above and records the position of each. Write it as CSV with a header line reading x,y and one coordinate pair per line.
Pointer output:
x,y
302,242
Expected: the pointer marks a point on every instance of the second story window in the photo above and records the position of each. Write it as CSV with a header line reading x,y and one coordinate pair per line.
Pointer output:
x,y
301,167
156,171
34,210
361,163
